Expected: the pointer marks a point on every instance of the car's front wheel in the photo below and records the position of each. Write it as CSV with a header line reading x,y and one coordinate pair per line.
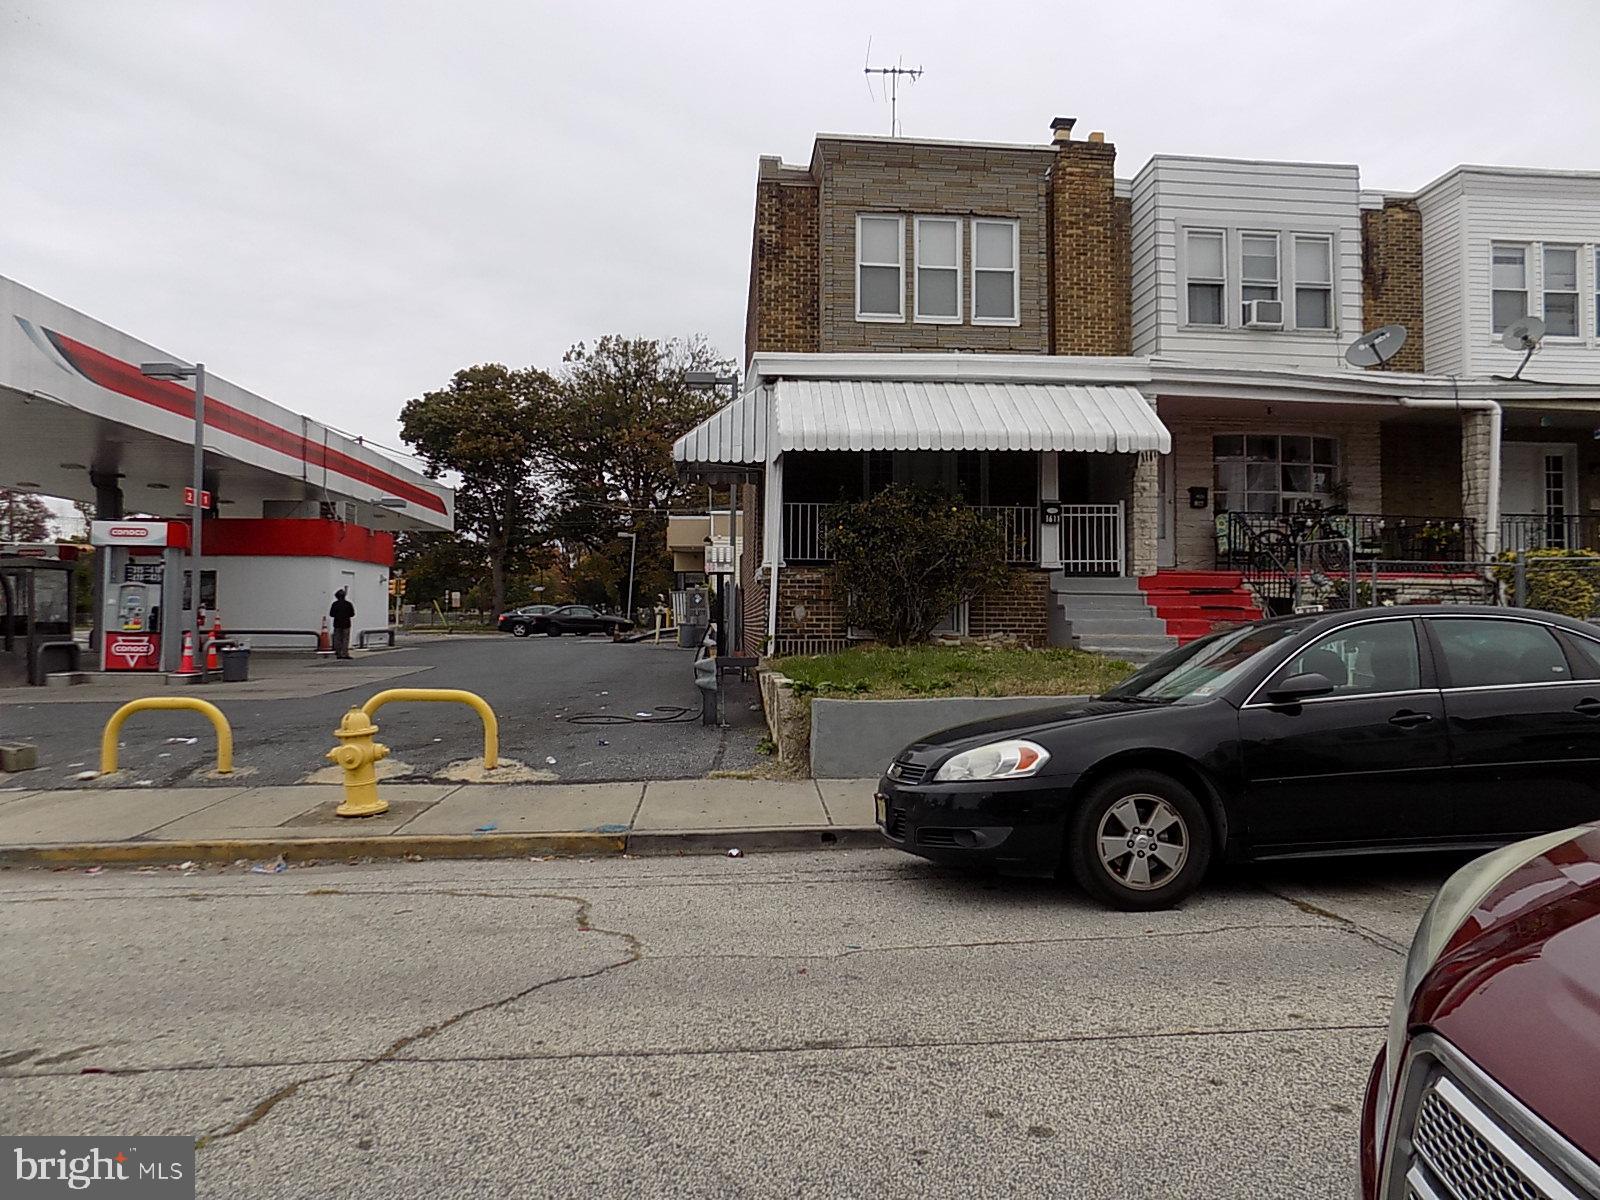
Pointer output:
x,y
1140,840
519,630
552,631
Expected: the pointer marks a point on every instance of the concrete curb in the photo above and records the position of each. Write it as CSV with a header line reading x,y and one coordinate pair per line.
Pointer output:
x,y
470,846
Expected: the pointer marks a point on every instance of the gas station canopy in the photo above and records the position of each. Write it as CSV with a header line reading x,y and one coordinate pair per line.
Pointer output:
x,y
77,418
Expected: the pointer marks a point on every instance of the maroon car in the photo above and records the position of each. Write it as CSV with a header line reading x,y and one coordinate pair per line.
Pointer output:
x,y
1489,1085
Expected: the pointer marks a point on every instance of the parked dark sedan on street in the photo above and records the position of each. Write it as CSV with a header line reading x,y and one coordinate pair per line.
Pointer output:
x,y
519,621
1408,728
1487,1085
578,618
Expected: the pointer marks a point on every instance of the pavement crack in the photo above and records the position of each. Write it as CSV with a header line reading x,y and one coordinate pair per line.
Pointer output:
x,y
260,1111
583,918
1361,931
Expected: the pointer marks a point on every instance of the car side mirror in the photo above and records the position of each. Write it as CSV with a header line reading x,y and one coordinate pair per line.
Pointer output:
x,y
1300,687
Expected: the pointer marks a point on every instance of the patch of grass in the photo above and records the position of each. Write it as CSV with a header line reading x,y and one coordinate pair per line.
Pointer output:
x,y
882,672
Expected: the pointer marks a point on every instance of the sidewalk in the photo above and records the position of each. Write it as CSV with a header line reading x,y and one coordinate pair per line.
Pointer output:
x,y
211,824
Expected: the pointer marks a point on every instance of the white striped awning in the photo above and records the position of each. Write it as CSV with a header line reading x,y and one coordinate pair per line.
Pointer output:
x,y
887,414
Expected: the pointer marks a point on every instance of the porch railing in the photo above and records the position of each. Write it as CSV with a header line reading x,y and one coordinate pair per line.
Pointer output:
x,y
1092,539
805,530
1250,540
1537,531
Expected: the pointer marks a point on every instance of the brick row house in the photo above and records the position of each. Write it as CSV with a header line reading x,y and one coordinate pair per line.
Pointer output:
x,y
1144,381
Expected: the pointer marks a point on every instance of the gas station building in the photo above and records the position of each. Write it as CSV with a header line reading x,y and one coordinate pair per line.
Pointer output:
x,y
294,510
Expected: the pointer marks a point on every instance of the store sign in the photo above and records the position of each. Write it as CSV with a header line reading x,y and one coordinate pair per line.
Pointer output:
x,y
128,533
133,652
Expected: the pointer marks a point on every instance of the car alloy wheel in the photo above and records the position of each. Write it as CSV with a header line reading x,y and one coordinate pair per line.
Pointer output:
x,y
552,631
1143,842
519,630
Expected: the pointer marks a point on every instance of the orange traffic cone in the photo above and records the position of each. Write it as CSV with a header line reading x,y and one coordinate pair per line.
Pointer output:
x,y
324,642
216,627
186,661
213,663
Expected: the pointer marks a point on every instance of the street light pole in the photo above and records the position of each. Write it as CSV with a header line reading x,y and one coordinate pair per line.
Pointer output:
x,y
633,554
195,512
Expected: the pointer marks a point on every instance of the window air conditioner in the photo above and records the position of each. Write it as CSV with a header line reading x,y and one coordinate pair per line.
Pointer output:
x,y
1263,314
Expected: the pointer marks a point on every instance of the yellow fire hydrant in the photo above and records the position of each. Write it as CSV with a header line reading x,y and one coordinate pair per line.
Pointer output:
x,y
357,756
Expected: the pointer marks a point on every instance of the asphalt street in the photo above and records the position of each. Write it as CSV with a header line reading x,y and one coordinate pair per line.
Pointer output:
x,y
534,685
851,1023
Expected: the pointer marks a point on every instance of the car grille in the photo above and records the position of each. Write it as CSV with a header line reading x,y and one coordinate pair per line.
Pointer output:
x,y
906,772
1462,1151
895,825
936,837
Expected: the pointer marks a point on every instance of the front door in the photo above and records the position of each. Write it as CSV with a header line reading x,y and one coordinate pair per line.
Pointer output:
x,y
1524,726
1369,762
1537,495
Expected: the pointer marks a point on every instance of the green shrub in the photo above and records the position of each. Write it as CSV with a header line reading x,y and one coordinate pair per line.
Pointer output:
x,y
1559,581
907,556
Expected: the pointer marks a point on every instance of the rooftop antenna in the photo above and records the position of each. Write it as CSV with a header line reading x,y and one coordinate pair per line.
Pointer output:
x,y
1376,348
892,74
1523,334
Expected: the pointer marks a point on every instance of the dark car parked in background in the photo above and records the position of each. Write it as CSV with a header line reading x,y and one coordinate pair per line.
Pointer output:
x,y
519,621
1390,728
578,618
1489,1084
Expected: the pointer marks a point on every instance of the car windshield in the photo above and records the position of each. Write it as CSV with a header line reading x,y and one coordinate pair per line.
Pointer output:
x,y
1198,671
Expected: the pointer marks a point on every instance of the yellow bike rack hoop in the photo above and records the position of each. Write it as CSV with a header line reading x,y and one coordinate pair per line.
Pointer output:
x,y
491,726
108,739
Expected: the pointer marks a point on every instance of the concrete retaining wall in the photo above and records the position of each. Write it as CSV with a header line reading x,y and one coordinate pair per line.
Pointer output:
x,y
857,739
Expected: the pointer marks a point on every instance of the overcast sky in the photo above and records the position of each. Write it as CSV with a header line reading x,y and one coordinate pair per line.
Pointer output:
x,y
338,203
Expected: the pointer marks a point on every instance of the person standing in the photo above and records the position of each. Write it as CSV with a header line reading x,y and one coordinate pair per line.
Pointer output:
x,y
343,613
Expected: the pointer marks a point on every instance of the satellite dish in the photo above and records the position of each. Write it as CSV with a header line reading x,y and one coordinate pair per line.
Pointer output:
x,y
1376,348
1523,334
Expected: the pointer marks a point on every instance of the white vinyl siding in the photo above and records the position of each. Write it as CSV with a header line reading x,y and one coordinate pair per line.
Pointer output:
x,y
1560,308
1465,216
1206,274
880,267
1508,275
938,265
1172,196
995,292
1313,282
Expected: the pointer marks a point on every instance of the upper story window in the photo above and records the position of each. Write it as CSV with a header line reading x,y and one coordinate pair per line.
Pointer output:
x,y
995,292
1258,256
1508,281
880,268
1561,290
1313,282
938,280
1207,275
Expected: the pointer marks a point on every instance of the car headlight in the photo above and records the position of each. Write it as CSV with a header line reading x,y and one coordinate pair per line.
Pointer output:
x,y
1014,758
1457,899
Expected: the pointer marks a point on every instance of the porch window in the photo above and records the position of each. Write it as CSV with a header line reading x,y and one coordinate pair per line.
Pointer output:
x,y
1561,290
1207,277
880,268
1313,282
938,289
1272,473
1258,254
1508,279
994,272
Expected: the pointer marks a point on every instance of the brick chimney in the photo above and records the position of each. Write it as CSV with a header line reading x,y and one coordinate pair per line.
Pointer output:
x,y
1090,250
1391,275
782,309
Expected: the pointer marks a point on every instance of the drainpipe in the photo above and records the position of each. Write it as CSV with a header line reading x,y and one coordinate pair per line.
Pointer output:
x,y
1491,536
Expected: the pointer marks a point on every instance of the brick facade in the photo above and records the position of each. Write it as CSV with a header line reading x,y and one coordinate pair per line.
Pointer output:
x,y
781,313
1090,253
1021,609
1391,276
808,606
1421,466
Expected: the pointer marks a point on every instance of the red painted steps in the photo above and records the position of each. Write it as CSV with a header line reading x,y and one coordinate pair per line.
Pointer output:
x,y
1194,603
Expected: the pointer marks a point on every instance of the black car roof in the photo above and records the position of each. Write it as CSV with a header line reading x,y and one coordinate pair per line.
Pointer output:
x,y
1324,620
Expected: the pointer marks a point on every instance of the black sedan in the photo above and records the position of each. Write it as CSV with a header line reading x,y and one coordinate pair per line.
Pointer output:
x,y
1413,728
519,621
578,618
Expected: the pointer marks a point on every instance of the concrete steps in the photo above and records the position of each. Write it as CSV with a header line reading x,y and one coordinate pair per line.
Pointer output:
x,y
1192,604
1109,616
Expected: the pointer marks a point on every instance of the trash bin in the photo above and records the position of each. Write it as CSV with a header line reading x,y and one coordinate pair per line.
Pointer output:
x,y
690,636
235,663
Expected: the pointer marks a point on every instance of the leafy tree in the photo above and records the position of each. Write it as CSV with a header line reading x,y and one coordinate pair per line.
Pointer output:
x,y
24,517
907,556
485,426
436,564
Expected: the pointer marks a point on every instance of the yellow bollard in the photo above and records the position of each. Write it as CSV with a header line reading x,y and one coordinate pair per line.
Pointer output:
x,y
108,739
357,756
491,727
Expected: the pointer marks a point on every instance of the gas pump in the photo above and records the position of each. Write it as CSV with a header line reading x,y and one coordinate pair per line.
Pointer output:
x,y
141,581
